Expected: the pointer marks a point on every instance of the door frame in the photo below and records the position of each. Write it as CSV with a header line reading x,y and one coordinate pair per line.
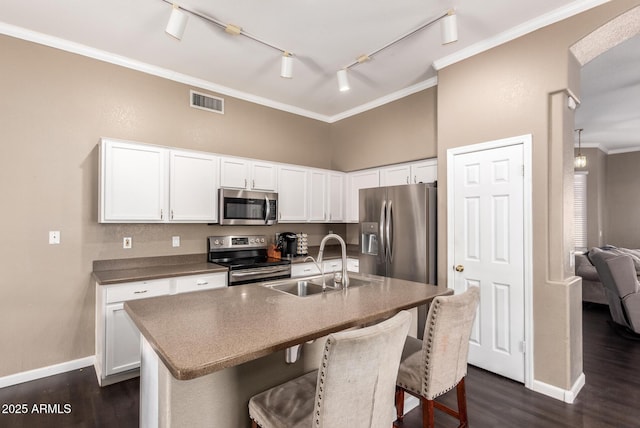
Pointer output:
x,y
526,142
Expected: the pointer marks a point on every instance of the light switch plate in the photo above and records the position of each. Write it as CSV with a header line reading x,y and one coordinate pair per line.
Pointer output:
x,y
175,241
126,242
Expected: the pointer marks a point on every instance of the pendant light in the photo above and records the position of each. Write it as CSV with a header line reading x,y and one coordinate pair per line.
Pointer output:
x,y
580,160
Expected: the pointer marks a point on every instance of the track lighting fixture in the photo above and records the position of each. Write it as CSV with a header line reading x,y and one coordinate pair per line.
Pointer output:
x,y
449,28
286,68
449,34
178,22
343,80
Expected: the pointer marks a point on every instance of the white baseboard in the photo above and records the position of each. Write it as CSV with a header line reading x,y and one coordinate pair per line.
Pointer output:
x,y
40,373
566,395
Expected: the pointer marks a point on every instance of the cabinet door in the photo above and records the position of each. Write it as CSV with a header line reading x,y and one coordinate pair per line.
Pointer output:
x,y
234,173
193,187
263,176
336,197
395,175
357,181
122,341
317,196
132,182
424,172
293,194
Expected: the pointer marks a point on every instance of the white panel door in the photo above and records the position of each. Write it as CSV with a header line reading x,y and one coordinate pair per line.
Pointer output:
x,y
489,253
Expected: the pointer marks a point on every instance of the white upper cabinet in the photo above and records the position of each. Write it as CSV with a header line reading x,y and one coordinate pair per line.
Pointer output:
x,y
359,180
293,194
336,205
193,187
132,183
264,176
425,171
241,173
142,183
395,175
318,196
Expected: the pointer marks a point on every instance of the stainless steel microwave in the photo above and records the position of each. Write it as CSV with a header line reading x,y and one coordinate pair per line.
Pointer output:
x,y
245,207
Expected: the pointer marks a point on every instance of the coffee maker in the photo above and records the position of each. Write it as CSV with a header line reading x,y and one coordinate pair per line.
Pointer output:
x,y
288,244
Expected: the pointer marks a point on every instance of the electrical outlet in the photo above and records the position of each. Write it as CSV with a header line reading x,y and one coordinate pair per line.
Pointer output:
x,y
54,237
126,242
175,241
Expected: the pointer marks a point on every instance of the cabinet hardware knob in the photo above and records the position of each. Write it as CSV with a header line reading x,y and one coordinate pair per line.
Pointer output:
x,y
140,291
459,268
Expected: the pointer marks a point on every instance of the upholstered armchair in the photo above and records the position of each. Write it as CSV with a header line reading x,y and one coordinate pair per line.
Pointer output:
x,y
619,278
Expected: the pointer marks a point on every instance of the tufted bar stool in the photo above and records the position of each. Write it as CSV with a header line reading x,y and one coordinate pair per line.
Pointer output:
x,y
354,386
438,363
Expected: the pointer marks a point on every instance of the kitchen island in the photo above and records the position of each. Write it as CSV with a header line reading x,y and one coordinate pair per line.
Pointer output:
x,y
204,354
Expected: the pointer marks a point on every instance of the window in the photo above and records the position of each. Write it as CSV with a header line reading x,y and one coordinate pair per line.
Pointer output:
x,y
580,209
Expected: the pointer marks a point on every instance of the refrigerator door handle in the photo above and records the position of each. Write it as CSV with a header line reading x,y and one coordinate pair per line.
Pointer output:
x,y
389,231
383,211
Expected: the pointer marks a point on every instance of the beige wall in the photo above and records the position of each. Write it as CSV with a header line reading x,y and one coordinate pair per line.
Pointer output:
x,y
623,200
517,89
54,107
400,131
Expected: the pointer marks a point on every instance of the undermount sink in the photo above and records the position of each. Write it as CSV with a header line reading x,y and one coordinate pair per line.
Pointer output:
x,y
303,287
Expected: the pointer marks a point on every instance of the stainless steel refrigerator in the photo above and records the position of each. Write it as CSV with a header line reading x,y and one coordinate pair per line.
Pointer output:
x,y
398,234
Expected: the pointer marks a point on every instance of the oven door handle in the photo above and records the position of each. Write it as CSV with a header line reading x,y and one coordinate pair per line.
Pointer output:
x,y
258,271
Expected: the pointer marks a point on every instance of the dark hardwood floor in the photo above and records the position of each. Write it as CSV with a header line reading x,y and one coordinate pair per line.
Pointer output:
x,y
610,398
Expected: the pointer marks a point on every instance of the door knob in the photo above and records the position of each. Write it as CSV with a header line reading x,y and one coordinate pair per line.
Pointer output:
x,y
459,268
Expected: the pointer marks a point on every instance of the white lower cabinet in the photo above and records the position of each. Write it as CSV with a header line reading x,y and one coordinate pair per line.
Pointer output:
x,y
117,337
122,341
333,265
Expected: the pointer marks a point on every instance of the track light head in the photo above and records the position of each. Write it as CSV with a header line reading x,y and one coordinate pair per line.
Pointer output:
x,y
286,68
177,22
449,28
343,80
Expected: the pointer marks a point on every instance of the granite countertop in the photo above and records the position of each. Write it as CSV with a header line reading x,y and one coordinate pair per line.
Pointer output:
x,y
107,272
198,333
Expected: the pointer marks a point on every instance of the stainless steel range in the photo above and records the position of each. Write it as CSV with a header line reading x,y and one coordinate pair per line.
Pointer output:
x,y
247,260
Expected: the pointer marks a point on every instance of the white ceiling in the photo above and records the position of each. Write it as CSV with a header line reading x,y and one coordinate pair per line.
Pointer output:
x,y
610,109
324,37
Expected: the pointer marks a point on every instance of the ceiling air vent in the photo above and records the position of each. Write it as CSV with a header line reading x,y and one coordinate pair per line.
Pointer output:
x,y
207,102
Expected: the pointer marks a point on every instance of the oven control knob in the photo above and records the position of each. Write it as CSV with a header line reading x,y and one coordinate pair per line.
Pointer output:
x,y
217,242
251,241
262,240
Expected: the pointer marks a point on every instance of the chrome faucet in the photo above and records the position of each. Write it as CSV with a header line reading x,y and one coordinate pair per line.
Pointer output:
x,y
345,276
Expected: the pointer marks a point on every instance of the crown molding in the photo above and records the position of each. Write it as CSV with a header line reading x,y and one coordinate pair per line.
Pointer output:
x,y
557,15
410,90
87,51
